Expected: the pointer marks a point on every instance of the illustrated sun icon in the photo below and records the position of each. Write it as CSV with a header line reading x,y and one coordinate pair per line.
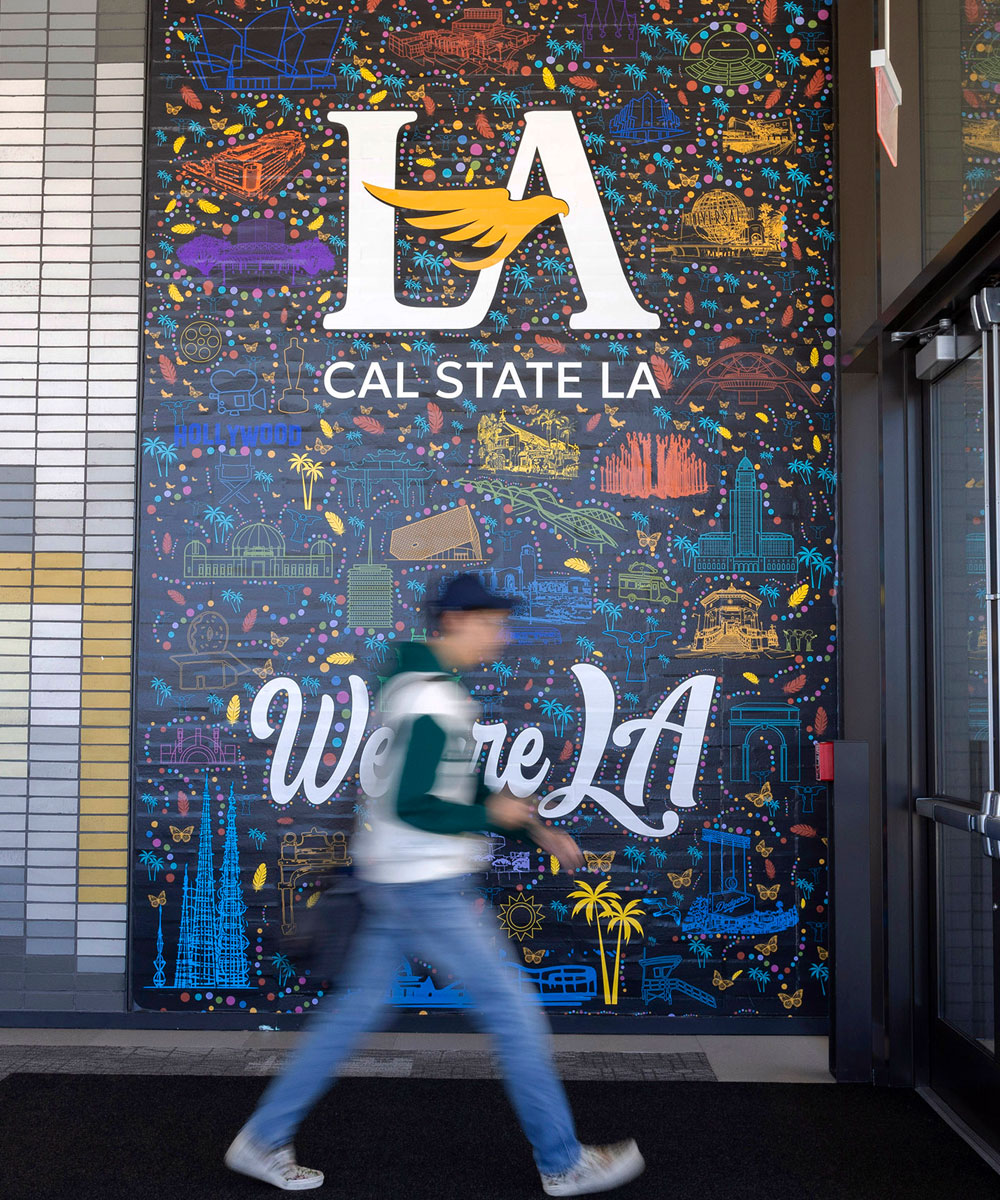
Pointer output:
x,y
521,917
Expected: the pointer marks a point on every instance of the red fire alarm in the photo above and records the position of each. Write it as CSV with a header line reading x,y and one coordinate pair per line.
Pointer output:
x,y
824,761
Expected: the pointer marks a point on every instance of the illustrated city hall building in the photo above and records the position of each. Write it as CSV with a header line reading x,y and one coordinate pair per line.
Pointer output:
x,y
746,548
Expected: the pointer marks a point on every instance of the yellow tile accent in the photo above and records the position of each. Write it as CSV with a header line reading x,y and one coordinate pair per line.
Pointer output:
x,y
109,665
104,841
47,559
52,595
102,895
106,683
108,612
110,875
107,595
104,821
105,859
98,769
105,719
103,736
10,560
98,577
105,787
73,579
9,594
105,716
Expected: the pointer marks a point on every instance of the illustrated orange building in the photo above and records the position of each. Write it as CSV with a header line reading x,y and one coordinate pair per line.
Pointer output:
x,y
475,39
450,536
251,171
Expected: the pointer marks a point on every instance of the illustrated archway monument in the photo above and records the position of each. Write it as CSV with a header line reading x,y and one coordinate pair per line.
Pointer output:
x,y
745,720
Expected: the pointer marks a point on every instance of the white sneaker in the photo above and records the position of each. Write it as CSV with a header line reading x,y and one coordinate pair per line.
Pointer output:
x,y
600,1168
272,1166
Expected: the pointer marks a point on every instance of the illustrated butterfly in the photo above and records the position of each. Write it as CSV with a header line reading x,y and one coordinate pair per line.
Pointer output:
x,y
722,983
181,835
769,349
681,424
194,393
768,893
703,361
649,539
823,954
269,378
680,880
793,1001
265,670
418,94
174,109
767,947
533,956
759,799
802,368
217,123
255,324
599,862
530,410
156,901
367,410
611,409
322,447
278,641
361,62
762,850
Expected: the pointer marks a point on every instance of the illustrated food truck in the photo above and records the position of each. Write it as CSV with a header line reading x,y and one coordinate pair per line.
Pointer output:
x,y
641,581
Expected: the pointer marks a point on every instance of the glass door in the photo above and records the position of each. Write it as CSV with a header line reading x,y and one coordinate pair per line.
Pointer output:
x,y
962,685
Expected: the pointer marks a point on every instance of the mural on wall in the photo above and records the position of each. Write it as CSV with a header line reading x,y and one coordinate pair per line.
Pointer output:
x,y
980,29
542,291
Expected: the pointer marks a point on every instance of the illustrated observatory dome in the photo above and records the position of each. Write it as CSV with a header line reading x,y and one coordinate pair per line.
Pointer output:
x,y
258,539
645,118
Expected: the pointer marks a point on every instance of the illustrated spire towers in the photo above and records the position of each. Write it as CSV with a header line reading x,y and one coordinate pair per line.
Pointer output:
x,y
203,925
233,970
184,971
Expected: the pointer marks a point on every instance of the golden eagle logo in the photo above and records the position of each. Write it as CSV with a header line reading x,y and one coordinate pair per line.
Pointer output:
x,y
483,217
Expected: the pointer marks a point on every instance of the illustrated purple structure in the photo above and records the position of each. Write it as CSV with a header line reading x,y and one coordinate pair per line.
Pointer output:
x,y
259,247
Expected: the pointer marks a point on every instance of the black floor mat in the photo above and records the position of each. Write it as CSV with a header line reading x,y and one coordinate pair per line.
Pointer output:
x,y
117,1137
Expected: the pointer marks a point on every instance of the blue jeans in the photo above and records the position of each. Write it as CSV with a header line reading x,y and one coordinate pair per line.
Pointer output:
x,y
435,921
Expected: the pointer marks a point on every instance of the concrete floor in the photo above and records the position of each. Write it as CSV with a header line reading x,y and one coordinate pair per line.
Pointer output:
x,y
746,1059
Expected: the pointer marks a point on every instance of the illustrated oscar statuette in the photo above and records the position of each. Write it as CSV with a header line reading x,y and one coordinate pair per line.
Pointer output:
x,y
293,398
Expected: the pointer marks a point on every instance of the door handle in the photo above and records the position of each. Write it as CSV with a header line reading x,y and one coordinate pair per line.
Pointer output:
x,y
986,822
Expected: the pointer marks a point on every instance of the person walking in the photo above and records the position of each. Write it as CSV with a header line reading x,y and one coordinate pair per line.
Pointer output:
x,y
412,851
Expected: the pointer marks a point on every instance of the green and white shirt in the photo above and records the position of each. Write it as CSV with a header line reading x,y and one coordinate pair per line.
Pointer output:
x,y
424,825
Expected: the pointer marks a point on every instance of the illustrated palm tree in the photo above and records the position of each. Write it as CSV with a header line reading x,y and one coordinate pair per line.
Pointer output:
x,y
375,644
635,855
310,684
562,714
502,671
309,471
585,645
821,972
282,968
658,855
626,921
759,977
257,836
215,703
809,559
595,903
700,951
213,516
612,612
149,800
154,447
